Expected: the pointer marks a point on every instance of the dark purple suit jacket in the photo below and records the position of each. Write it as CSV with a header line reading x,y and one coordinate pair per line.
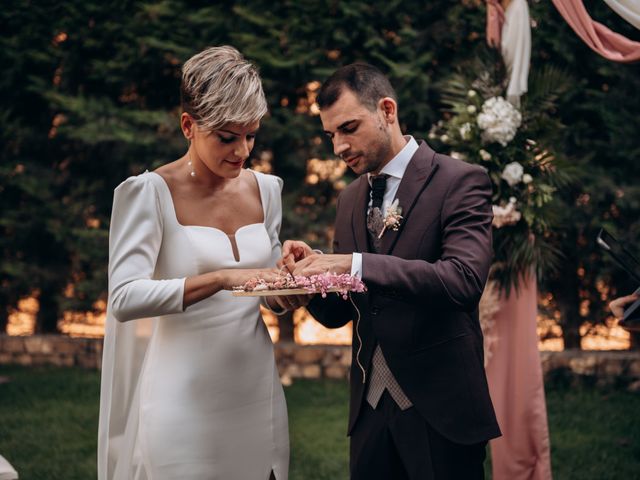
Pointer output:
x,y
424,288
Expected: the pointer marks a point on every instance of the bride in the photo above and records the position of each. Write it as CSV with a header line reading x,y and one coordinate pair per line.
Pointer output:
x,y
190,388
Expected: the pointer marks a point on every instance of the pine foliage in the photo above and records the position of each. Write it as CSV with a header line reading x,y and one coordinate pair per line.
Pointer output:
x,y
90,96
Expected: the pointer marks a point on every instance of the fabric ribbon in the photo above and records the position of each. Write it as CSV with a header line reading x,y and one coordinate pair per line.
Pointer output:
x,y
495,20
602,40
516,49
509,28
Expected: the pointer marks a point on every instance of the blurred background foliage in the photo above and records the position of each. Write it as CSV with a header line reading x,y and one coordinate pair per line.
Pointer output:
x,y
90,96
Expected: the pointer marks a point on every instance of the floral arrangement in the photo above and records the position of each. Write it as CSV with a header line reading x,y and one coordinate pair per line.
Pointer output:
x,y
515,146
322,283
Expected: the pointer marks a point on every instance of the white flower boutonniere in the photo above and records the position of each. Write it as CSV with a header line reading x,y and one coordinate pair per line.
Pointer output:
x,y
392,217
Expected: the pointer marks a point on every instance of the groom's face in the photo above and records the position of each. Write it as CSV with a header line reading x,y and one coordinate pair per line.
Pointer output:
x,y
359,135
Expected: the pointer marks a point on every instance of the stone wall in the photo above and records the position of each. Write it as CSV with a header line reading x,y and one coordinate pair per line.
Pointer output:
x,y
326,361
602,368
312,361
58,350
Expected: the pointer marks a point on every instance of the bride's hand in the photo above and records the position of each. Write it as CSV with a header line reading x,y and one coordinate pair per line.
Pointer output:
x,y
291,302
203,286
237,277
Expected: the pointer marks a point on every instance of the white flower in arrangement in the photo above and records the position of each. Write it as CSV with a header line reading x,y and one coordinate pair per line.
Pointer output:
x,y
526,178
512,173
484,155
444,138
471,109
499,121
465,130
506,215
471,93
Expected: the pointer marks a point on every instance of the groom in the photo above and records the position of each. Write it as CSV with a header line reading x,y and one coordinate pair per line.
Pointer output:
x,y
420,406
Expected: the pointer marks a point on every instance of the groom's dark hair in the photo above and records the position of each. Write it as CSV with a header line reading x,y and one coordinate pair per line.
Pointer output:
x,y
367,82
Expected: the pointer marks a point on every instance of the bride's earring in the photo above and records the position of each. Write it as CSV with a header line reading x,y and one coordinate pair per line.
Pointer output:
x,y
193,172
190,163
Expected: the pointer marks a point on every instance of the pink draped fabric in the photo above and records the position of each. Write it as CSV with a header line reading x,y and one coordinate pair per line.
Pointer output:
x,y
610,45
514,373
495,20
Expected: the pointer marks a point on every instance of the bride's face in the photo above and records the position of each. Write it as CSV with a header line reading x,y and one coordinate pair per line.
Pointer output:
x,y
223,151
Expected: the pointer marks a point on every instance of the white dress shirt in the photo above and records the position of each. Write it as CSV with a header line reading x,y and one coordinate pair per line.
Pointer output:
x,y
395,169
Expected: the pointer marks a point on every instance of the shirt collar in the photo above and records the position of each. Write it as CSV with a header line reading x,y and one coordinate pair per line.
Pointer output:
x,y
398,164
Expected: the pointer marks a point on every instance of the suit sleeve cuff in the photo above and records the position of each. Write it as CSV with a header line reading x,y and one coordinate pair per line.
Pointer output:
x,y
356,265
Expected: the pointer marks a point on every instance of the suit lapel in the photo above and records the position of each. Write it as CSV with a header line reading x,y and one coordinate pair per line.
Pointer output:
x,y
359,215
416,177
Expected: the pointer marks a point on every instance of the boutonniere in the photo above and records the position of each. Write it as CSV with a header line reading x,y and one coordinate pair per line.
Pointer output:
x,y
392,218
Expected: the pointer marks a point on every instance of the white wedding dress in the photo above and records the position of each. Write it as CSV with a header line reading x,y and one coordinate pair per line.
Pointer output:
x,y
191,394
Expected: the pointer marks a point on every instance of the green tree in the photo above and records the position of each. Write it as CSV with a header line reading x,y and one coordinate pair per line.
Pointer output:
x,y
90,96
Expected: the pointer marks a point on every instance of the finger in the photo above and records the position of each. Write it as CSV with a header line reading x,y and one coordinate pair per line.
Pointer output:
x,y
303,300
290,263
301,265
302,250
308,250
311,269
289,302
270,275
282,303
297,250
283,261
287,247
299,253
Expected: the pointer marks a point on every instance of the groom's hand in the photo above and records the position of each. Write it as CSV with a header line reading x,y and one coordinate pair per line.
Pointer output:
x,y
314,264
293,251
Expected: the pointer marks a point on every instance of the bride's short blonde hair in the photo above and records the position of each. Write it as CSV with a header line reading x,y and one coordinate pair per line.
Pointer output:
x,y
219,86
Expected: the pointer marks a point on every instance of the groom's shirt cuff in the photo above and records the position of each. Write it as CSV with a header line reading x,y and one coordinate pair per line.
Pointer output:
x,y
356,265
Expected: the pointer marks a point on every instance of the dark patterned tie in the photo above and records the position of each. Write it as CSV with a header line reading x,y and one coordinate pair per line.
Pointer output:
x,y
378,187
375,219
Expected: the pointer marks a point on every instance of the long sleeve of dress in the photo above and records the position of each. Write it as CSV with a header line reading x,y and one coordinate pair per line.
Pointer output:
x,y
273,215
271,186
134,242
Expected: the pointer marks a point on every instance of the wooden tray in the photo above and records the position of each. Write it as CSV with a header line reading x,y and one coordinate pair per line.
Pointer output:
x,y
275,293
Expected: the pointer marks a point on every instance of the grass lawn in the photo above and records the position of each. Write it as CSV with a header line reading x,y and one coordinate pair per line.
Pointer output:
x,y
48,424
